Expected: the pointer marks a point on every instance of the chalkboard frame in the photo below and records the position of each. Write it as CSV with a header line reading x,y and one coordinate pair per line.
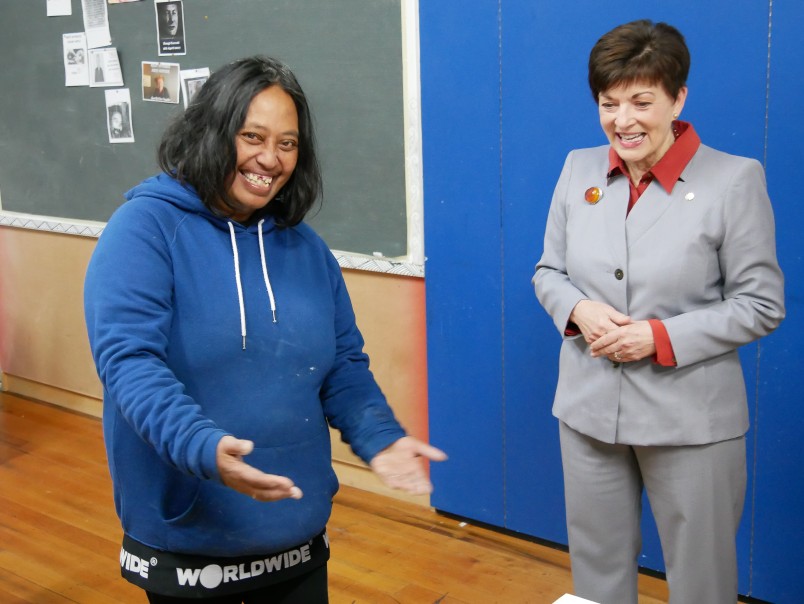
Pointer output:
x,y
410,264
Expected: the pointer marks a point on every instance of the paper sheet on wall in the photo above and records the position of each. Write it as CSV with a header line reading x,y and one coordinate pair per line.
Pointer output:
x,y
170,27
96,23
104,68
76,72
119,122
191,82
59,8
160,82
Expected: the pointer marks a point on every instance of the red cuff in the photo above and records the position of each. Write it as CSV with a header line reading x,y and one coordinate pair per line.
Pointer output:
x,y
664,348
571,329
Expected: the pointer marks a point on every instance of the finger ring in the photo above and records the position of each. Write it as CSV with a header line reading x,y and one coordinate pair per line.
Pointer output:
x,y
617,355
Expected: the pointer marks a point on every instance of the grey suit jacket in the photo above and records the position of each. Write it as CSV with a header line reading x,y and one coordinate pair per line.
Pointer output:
x,y
702,259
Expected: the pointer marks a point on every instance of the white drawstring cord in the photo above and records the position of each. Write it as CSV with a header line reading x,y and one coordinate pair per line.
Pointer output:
x,y
265,273
239,286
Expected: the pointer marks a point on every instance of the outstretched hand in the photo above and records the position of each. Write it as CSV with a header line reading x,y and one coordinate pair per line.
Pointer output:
x,y
244,478
400,465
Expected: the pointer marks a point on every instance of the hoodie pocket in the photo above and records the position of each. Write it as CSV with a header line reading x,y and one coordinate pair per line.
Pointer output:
x,y
221,521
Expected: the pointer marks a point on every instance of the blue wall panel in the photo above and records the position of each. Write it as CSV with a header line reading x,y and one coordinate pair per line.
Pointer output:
x,y
460,120
505,96
779,516
546,109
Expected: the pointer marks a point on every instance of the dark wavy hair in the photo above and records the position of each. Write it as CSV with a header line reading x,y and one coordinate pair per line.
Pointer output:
x,y
639,51
198,146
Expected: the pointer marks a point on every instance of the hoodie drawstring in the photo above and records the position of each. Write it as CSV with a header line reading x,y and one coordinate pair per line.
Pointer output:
x,y
240,285
265,273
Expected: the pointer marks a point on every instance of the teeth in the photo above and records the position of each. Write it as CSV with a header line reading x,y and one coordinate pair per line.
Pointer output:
x,y
630,137
258,179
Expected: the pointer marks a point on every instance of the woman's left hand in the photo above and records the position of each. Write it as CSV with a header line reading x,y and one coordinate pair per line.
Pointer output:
x,y
627,343
400,466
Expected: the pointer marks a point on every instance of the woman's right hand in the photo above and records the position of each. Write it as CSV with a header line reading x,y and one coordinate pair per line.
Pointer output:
x,y
244,478
595,319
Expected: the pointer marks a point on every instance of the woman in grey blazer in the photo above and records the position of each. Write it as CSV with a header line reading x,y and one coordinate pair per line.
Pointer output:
x,y
659,262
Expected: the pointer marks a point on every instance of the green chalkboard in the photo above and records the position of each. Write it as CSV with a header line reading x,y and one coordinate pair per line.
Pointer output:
x,y
55,155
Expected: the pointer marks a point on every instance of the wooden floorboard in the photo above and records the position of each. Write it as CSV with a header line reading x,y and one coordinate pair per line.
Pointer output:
x,y
60,537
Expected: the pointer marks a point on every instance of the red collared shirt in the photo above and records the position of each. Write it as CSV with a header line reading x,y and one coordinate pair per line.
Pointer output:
x,y
667,172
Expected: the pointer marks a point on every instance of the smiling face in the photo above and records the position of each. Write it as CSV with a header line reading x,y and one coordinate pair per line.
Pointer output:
x,y
638,121
267,151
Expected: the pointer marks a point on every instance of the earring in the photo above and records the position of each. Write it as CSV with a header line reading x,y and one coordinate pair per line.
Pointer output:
x,y
675,116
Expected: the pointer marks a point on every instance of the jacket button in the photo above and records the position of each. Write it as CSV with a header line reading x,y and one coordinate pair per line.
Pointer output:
x,y
619,274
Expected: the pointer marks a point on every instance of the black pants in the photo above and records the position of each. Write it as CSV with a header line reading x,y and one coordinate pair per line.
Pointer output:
x,y
310,588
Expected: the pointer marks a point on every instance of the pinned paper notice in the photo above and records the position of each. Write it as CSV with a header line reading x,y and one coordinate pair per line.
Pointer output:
x,y
76,70
191,82
118,116
96,23
104,68
172,38
160,82
59,8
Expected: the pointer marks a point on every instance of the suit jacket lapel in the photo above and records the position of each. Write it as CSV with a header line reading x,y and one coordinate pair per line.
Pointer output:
x,y
615,205
652,205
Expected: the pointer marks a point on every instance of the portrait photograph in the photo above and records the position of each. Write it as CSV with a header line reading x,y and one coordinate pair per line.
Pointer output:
x,y
170,27
160,82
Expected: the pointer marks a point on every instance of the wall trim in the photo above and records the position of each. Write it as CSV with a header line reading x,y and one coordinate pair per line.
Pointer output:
x,y
75,401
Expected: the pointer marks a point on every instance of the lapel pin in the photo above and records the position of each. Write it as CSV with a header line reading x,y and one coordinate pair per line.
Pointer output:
x,y
689,196
593,195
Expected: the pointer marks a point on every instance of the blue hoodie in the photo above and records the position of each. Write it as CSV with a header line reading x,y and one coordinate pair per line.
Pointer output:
x,y
178,307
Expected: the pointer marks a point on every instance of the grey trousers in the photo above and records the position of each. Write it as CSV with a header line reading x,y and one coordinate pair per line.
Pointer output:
x,y
696,494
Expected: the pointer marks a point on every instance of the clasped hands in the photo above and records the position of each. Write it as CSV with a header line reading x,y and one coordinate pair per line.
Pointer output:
x,y
399,466
612,334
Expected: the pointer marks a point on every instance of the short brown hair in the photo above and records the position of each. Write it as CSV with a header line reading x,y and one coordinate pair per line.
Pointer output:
x,y
655,53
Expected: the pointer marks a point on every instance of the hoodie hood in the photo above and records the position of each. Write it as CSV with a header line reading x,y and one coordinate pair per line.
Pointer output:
x,y
165,187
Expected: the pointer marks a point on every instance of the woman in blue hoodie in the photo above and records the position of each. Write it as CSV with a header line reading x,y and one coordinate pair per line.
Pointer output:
x,y
226,343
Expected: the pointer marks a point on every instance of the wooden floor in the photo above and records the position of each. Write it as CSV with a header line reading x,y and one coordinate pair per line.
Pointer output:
x,y
60,538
